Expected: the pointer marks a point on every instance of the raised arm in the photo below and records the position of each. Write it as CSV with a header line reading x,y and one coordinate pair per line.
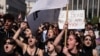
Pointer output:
x,y
15,37
40,29
95,53
65,51
59,37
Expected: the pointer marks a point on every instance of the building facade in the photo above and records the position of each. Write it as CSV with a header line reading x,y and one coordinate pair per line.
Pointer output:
x,y
91,7
14,7
3,6
29,5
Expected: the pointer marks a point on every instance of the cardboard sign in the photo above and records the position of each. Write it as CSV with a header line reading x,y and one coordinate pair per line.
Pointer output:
x,y
75,19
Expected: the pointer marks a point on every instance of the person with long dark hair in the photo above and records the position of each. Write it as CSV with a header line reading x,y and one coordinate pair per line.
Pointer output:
x,y
88,49
29,48
73,46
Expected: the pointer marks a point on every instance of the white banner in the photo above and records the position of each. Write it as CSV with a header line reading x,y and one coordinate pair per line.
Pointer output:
x,y
43,5
48,4
75,19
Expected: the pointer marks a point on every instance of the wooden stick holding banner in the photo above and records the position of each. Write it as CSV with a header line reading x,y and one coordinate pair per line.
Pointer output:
x,y
67,25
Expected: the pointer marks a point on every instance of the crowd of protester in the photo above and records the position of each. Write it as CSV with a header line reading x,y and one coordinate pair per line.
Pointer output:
x,y
17,39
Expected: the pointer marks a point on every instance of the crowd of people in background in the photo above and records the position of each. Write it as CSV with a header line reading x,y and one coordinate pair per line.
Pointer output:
x,y
17,39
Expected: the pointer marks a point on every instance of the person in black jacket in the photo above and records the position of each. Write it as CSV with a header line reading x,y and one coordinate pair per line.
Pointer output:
x,y
6,31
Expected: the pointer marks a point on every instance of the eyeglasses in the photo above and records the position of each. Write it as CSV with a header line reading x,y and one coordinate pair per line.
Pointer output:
x,y
88,39
8,43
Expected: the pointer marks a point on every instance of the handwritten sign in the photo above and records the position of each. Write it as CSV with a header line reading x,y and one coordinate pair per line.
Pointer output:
x,y
75,19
